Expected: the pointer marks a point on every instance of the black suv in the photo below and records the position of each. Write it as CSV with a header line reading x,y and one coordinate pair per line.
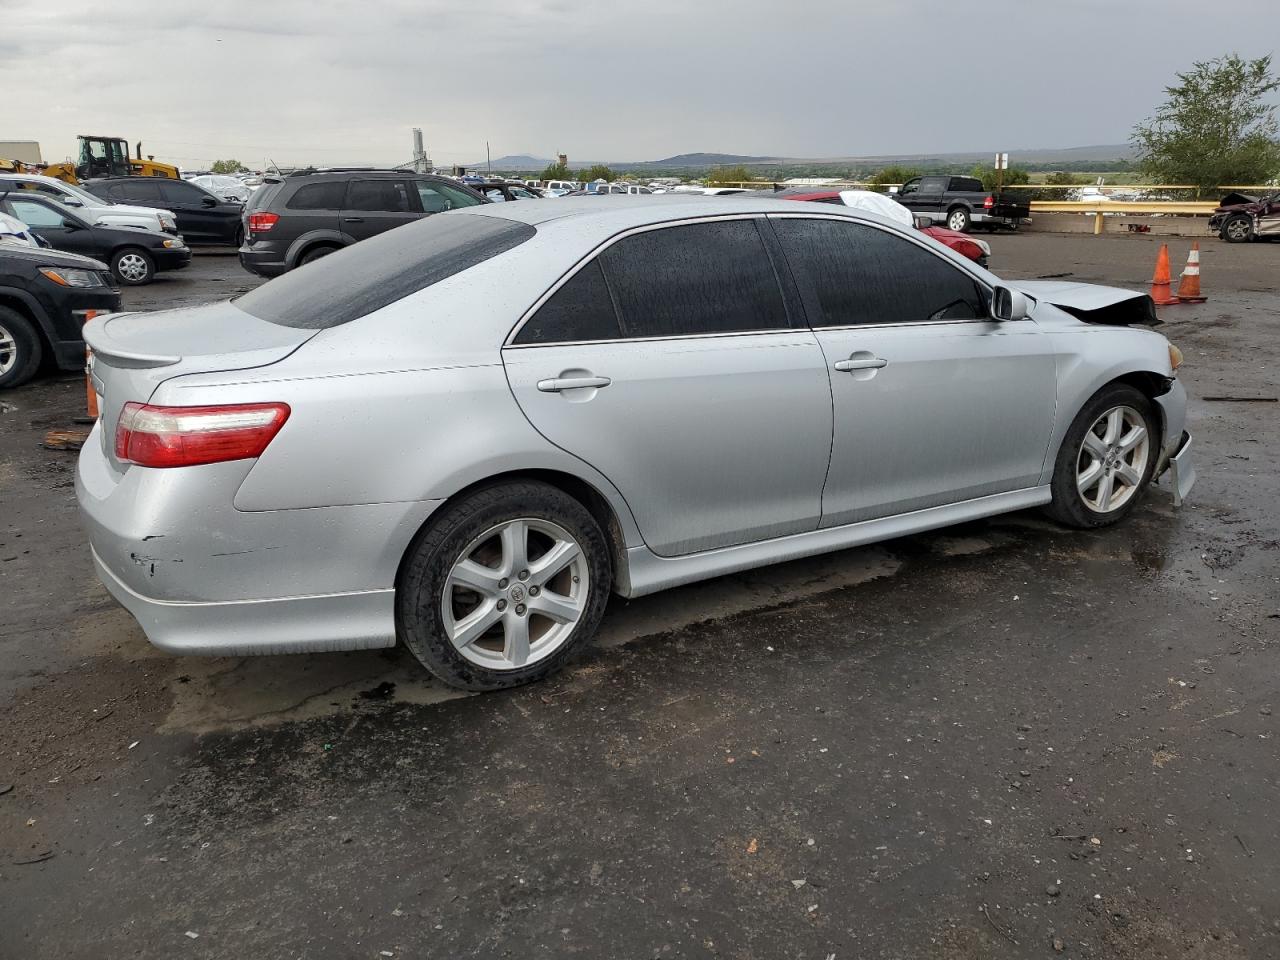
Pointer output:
x,y
202,217
295,219
45,298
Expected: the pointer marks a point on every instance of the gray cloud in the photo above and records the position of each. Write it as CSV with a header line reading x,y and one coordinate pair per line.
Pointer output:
x,y
324,81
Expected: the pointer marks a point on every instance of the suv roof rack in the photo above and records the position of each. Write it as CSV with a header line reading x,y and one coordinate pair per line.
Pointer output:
x,y
308,171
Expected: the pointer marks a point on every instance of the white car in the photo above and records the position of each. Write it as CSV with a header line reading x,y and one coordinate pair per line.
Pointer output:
x,y
558,188
94,209
227,188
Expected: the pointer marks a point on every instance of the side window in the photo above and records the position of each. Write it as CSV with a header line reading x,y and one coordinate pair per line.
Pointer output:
x,y
850,273
495,194
36,214
966,185
933,184
439,197
141,189
318,196
179,191
379,196
579,310
700,278
911,186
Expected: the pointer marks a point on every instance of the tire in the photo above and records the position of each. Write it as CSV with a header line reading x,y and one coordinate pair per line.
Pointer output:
x,y
133,266
1126,474
20,349
1237,230
239,241
314,254
958,219
442,619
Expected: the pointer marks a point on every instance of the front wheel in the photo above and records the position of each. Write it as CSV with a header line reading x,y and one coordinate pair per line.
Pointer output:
x,y
1237,230
1106,460
20,349
133,266
504,586
958,220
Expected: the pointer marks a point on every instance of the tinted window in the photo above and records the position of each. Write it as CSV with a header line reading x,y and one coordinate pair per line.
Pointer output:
x,y
35,214
850,273
179,191
580,310
695,279
439,197
373,273
319,196
966,184
141,189
379,196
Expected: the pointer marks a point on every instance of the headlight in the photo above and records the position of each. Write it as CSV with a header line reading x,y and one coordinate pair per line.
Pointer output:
x,y
172,244
169,223
1175,357
68,277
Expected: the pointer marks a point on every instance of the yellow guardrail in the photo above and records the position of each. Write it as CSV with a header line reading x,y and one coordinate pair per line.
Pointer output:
x,y
1100,208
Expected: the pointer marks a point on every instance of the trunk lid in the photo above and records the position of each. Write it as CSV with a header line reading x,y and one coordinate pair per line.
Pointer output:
x,y
133,353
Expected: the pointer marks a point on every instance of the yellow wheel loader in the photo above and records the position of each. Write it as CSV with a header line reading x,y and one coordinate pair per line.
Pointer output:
x,y
108,157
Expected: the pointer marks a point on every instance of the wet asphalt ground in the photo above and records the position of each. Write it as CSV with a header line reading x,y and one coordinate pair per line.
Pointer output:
x,y
999,740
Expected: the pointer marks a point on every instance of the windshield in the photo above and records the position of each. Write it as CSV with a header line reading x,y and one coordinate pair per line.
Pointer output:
x,y
88,199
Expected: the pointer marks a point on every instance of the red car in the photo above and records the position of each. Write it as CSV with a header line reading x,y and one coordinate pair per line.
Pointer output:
x,y
977,250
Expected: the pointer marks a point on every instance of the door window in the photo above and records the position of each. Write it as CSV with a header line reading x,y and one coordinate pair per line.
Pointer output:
x,y
36,214
179,191
911,186
379,196
140,189
439,197
933,184
700,278
495,194
579,310
850,273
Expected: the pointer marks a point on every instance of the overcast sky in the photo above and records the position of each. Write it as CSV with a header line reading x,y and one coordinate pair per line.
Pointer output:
x,y
344,82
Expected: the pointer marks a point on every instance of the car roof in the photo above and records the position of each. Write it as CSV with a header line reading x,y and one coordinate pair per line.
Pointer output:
x,y
31,178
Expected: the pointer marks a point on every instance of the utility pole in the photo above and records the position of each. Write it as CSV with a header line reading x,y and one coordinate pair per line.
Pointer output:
x,y
487,159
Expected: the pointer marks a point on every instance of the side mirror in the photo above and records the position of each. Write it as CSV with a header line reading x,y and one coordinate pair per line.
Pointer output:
x,y
71,226
1007,304
209,201
71,202
922,222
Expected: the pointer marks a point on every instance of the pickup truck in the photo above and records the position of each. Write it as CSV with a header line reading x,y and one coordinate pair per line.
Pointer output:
x,y
961,202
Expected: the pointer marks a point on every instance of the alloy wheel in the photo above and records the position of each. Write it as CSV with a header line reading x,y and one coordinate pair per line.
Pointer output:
x,y
1238,229
1113,459
956,221
8,351
515,594
132,267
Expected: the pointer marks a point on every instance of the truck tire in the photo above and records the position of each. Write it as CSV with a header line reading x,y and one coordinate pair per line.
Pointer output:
x,y
20,349
958,219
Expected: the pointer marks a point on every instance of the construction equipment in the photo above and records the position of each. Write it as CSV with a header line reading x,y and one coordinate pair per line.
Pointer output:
x,y
108,157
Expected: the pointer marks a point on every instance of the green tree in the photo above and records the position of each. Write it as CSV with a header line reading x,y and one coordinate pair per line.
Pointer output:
x,y
988,176
557,171
1214,126
728,176
228,166
895,174
597,172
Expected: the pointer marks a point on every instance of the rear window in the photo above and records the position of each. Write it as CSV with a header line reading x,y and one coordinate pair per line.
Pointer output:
x,y
369,275
326,195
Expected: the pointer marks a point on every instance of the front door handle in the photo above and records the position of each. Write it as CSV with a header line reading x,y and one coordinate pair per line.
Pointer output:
x,y
557,384
873,363
353,219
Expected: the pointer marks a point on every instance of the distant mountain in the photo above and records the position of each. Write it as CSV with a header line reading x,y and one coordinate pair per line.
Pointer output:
x,y
519,161
705,160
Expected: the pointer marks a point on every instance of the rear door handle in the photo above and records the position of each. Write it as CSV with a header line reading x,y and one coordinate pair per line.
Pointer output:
x,y
353,219
557,384
874,363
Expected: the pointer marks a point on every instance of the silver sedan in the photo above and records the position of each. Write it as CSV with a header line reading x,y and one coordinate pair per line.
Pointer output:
x,y
464,434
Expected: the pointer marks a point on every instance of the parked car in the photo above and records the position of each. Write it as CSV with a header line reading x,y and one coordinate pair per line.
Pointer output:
x,y
1241,218
979,251
466,434
134,255
202,217
45,299
297,219
500,191
558,188
224,187
92,208
961,202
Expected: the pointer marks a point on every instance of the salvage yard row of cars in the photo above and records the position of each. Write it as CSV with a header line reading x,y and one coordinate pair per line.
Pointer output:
x,y
466,433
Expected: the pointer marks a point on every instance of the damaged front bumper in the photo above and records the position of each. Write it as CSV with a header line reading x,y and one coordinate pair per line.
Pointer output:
x,y
1175,445
1181,469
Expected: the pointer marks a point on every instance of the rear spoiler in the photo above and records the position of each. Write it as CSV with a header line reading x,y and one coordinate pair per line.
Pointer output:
x,y
100,342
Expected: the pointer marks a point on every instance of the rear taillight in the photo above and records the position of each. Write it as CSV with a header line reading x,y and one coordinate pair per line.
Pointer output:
x,y
186,436
262,222
988,203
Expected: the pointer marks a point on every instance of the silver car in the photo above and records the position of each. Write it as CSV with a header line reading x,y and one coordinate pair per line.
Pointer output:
x,y
465,433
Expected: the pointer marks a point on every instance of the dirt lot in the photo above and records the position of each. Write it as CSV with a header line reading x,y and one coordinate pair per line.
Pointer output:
x,y
1000,740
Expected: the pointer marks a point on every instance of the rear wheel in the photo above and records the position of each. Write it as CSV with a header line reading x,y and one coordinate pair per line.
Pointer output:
x,y
315,253
958,219
504,586
133,266
20,349
1237,230
1106,460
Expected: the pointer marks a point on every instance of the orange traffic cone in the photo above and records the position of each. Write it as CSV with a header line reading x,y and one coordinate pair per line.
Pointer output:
x,y
1189,285
1160,283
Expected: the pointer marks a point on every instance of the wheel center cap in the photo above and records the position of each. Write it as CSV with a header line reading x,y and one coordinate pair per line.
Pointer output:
x,y
517,592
